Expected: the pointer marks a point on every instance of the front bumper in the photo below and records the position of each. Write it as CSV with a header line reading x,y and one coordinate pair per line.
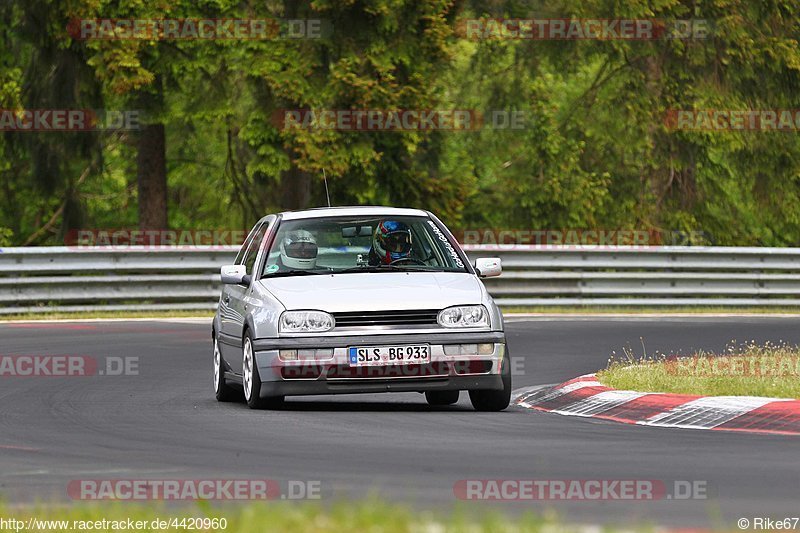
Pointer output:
x,y
335,376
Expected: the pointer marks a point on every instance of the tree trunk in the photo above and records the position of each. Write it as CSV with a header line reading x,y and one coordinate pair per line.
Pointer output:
x,y
151,176
295,189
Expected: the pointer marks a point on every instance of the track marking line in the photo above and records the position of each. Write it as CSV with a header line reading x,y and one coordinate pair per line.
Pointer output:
x,y
186,320
647,317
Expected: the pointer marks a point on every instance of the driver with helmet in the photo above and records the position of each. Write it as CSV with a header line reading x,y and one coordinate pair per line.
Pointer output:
x,y
298,250
391,243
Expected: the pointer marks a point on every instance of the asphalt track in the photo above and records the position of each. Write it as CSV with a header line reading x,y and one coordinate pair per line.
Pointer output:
x,y
165,423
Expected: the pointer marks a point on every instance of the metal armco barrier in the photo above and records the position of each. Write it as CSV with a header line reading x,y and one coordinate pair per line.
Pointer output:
x,y
52,279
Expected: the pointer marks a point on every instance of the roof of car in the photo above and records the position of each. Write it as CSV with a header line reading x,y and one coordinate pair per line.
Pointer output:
x,y
367,210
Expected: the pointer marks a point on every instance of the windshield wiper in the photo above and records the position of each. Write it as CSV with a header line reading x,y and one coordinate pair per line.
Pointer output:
x,y
293,273
392,268
369,268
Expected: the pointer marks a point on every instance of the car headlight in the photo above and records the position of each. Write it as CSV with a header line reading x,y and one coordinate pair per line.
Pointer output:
x,y
305,321
464,316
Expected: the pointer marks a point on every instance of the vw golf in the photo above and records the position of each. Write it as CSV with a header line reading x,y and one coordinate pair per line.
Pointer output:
x,y
358,300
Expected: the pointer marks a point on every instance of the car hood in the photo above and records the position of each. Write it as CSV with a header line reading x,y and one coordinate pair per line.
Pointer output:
x,y
368,291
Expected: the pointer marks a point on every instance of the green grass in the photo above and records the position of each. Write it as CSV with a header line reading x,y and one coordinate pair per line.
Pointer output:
x,y
749,369
367,515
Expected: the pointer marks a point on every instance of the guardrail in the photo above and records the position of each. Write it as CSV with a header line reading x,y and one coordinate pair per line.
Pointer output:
x,y
56,279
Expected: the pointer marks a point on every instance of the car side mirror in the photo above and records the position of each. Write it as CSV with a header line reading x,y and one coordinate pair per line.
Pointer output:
x,y
488,267
234,274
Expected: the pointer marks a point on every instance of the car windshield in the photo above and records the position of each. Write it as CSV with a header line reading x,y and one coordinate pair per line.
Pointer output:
x,y
360,244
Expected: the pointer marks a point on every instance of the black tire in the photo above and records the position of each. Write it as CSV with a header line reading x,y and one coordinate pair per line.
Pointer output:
x,y
222,391
441,397
252,386
494,400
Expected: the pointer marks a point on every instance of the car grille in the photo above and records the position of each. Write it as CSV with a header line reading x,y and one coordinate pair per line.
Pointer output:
x,y
412,317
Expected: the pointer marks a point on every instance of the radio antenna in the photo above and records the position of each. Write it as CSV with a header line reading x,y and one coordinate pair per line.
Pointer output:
x,y
327,195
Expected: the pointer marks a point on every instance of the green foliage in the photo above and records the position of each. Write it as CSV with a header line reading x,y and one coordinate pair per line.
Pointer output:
x,y
595,151
6,236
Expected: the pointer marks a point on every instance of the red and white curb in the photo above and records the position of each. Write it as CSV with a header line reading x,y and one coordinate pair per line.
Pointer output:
x,y
586,397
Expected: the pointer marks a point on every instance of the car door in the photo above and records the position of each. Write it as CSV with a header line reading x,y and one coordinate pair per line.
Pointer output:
x,y
232,300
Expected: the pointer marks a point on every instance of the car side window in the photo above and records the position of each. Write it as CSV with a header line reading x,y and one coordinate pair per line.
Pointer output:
x,y
245,245
250,256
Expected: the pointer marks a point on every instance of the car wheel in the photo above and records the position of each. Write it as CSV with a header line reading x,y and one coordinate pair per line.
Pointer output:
x,y
441,397
494,400
251,380
223,391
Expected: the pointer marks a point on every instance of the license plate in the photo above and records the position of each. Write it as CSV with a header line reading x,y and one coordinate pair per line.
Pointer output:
x,y
389,355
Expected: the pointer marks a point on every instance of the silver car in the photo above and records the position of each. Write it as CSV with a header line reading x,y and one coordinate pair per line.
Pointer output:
x,y
358,300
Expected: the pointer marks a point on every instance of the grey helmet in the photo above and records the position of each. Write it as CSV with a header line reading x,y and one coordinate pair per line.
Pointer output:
x,y
299,250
